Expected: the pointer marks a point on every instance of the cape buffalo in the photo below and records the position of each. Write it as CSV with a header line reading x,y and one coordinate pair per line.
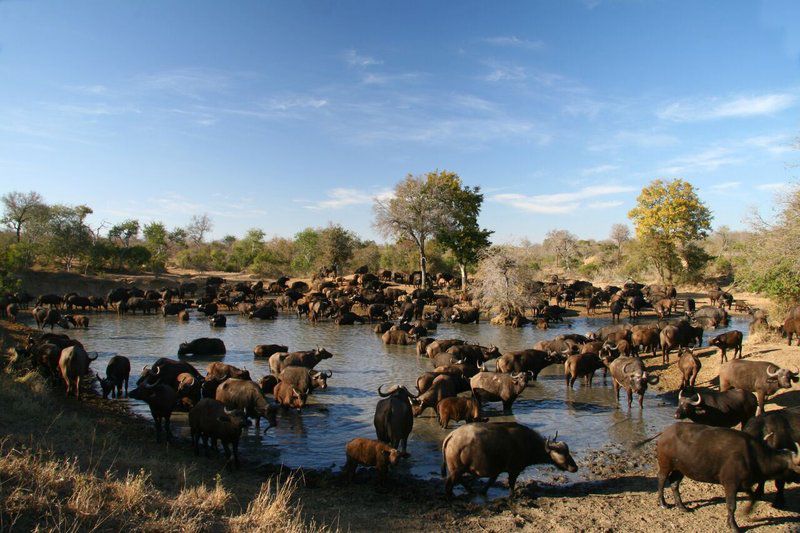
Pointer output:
x,y
458,408
714,408
210,420
161,399
731,339
118,371
533,361
629,373
494,387
74,364
309,359
245,394
393,417
203,346
266,350
761,377
487,449
779,430
368,452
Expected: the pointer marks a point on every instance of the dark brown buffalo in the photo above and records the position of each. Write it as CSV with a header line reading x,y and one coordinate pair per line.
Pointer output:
x,y
465,316
210,420
723,456
204,346
393,417
245,394
760,377
779,430
266,350
12,310
487,449
629,373
309,359
458,408
267,384
473,353
422,345
74,364
495,387
369,452
443,386
790,327
191,388
731,339
681,335
533,361
118,372
714,408
581,365
166,371
689,365
161,399
645,337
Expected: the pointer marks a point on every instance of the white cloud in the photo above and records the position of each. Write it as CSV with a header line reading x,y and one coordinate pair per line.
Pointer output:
x,y
605,205
725,186
774,187
293,102
514,41
95,90
776,144
640,139
99,109
193,83
372,78
354,59
343,197
737,106
599,169
707,160
567,202
500,72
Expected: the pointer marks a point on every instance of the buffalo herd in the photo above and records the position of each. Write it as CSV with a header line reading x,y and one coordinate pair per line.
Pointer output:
x,y
463,378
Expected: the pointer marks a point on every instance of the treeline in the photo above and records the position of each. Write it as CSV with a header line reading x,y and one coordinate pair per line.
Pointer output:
x,y
432,223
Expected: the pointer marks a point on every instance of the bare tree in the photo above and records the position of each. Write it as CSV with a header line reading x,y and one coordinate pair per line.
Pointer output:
x,y
620,234
563,244
199,227
504,280
415,212
19,208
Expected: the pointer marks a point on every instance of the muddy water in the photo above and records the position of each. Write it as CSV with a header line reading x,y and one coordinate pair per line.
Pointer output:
x,y
585,418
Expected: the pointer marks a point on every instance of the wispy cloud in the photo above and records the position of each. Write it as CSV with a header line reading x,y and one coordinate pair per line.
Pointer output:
x,y
94,90
599,169
97,109
562,203
776,144
192,82
344,197
735,106
514,41
638,138
504,72
374,78
354,59
707,160
725,186
295,102
779,186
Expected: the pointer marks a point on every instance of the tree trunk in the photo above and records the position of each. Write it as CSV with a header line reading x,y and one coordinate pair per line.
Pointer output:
x,y
19,229
423,262
463,268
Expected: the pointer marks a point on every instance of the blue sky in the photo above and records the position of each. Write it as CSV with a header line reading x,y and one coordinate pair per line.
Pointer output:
x,y
282,115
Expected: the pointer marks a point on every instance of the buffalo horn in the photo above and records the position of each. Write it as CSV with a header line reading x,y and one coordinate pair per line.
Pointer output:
x,y
151,385
93,358
680,395
328,373
698,401
768,435
773,374
145,368
157,370
796,455
384,394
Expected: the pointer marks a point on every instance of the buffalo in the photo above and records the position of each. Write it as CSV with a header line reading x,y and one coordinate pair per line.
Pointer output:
x,y
458,408
532,361
368,452
629,373
245,394
161,399
582,365
203,346
266,350
689,365
487,449
210,419
778,430
731,339
393,416
288,396
309,359
303,379
494,387
714,408
118,371
74,364
723,456
761,377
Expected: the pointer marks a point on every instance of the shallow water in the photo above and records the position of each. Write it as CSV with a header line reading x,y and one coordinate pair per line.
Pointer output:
x,y
585,418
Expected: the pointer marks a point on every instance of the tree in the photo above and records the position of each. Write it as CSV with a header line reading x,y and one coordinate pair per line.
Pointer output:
x,y
415,212
124,232
463,236
667,217
199,226
563,245
306,251
18,208
155,238
620,234
504,280
69,236
336,246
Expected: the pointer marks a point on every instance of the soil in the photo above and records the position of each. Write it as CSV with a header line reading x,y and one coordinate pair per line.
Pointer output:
x,y
620,496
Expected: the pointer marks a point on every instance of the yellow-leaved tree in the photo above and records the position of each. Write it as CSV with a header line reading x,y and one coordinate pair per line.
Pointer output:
x,y
669,217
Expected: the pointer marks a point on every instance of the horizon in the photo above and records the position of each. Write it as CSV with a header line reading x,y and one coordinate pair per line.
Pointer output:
x,y
284,116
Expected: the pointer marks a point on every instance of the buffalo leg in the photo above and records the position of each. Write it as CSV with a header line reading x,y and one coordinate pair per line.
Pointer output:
x,y
761,399
630,398
196,442
453,478
157,421
730,500
641,401
675,479
166,429
512,483
779,499
662,480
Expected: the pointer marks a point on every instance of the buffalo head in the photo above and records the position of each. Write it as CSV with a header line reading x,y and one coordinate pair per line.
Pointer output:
x,y
559,454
